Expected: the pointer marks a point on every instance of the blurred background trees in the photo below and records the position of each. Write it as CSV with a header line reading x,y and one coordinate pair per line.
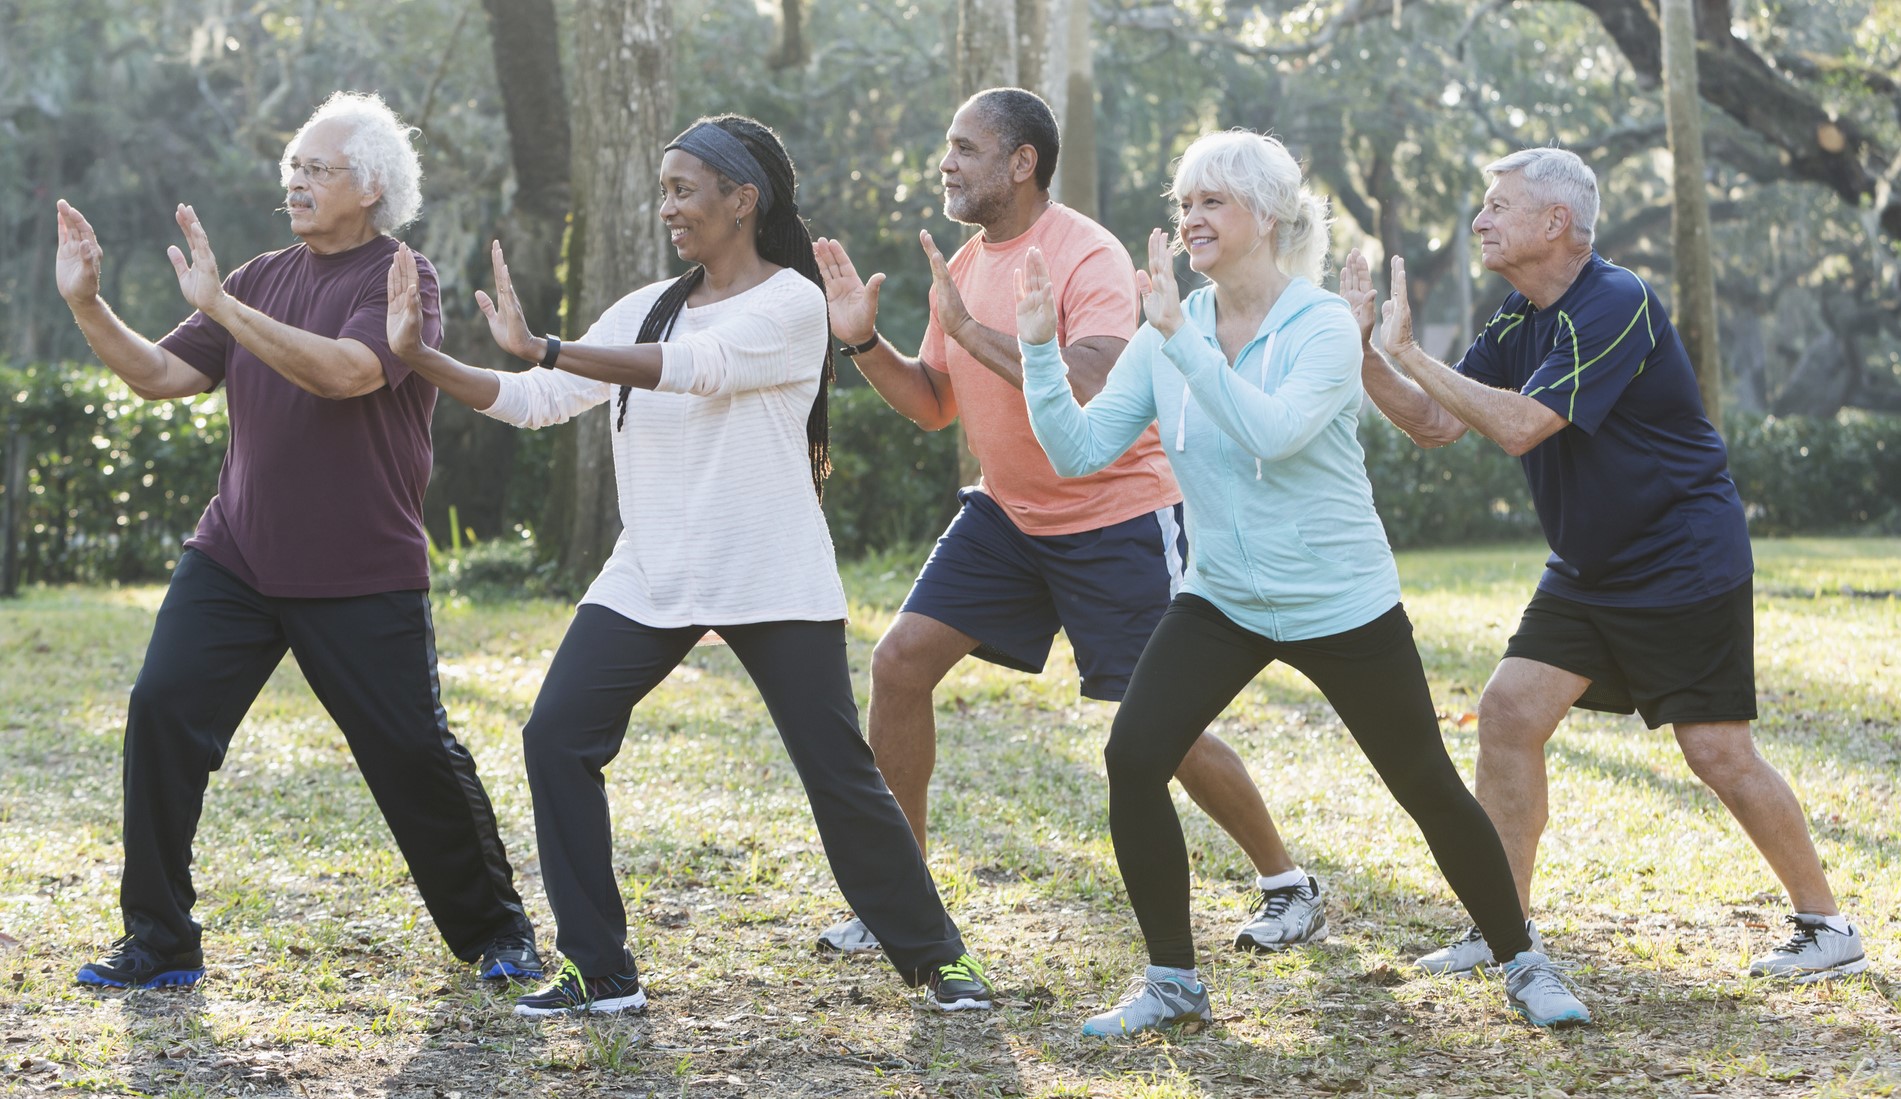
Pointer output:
x,y
541,121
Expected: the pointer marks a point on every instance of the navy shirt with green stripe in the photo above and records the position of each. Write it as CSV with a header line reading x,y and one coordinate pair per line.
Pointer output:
x,y
1634,493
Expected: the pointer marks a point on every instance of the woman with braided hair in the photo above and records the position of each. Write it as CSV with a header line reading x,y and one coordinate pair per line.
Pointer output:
x,y
718,380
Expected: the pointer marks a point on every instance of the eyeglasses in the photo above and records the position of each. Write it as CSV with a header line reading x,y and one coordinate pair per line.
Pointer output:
x,y
316,171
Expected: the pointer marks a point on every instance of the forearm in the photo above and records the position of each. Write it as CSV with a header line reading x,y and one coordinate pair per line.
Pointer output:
x,y
1512,420
126,353
1410,408
329,368
636,365
471,385
910,386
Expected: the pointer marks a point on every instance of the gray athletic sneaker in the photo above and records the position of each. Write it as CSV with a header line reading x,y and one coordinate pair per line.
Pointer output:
x,y
1465,957
1815,952
1157,998
1534,989
1285,917
849,937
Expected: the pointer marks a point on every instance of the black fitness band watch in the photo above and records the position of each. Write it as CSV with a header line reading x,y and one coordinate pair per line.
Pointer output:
x,y
851,349
552,352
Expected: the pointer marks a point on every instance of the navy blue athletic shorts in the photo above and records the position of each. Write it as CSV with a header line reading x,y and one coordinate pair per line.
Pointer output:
x,y
1105,588
1672,665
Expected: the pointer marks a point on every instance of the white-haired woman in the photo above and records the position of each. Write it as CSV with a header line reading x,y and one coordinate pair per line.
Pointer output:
x,y
1255,383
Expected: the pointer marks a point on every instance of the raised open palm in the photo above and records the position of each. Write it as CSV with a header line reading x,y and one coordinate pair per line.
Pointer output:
x,y
851,302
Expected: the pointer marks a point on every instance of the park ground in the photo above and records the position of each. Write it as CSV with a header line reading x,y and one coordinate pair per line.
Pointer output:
x,y
326,979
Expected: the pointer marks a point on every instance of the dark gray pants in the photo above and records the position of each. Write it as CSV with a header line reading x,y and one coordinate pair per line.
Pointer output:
x,y
606,664
371,660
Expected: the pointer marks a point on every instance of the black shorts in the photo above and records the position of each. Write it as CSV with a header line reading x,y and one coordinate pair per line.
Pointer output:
x,y
1687,664
1012,591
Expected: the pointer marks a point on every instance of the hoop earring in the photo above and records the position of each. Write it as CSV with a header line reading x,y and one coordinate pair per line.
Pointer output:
x,y
736,224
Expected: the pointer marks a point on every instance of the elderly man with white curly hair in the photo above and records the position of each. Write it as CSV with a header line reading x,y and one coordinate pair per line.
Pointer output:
x,y
313,545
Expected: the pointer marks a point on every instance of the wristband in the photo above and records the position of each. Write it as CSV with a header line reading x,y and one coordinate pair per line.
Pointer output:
x,y
852,349
552,353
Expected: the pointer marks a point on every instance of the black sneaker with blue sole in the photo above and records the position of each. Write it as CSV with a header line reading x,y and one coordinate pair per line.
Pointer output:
x,y
133,963
510,958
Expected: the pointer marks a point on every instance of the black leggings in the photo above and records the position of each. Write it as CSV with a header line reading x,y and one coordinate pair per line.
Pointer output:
x,y
1196,662
606,664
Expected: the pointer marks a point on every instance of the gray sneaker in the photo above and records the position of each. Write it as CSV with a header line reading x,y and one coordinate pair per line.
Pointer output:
x,y
1815,952
1157,998
1285,917
1534,989
849,937
1465,957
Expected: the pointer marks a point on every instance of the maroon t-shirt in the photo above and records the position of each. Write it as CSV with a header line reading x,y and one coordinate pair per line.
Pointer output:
x,y
318,497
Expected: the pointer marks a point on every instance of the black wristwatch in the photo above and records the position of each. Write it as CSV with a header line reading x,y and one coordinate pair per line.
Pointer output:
x,y
551,353
851,349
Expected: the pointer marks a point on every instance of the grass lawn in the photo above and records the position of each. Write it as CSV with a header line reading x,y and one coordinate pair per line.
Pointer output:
x,y
327,979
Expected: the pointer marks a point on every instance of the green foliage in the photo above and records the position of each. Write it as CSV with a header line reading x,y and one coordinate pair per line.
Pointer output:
x,y
495,569
114,483
1801,475
891,484
1463,494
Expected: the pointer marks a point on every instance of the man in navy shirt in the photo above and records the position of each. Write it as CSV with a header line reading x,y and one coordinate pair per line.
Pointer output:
x,y
313,545
1645,603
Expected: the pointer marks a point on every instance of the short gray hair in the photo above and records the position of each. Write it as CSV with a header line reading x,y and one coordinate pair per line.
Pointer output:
x,y
1557,176
1260,172
381,147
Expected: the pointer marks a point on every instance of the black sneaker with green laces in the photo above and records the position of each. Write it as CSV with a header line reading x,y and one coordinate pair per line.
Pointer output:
x,y
571,993
959,986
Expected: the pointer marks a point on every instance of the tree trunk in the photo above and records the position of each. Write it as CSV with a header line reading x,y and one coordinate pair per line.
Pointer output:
x,y
986,58
790,51
1076,171
474,454
1690,214
623,114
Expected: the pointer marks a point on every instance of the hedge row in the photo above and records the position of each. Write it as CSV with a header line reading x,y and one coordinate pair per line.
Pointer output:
x,y
114,484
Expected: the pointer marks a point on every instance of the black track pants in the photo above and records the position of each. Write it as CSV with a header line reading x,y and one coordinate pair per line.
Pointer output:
x,y
606,664
371,660
1196,662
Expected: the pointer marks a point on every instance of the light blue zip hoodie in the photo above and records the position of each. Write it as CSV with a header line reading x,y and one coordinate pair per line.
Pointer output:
x,y
1282,535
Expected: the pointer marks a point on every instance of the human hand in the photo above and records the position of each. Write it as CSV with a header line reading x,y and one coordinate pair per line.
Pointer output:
x,y
1161,299
851,302
1356,286
947,303
1396,316
507,324
76,268
197,278
1036,300
403,325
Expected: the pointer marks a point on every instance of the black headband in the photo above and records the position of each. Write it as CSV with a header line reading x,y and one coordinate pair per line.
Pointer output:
x,y
726,155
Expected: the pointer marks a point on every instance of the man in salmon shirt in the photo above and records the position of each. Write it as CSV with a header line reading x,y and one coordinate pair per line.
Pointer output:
x,y
313,545
1098,557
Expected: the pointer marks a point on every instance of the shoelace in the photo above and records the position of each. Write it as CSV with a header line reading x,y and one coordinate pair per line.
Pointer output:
x,y
1802,938
963,969
128,949
1274,902
1546,978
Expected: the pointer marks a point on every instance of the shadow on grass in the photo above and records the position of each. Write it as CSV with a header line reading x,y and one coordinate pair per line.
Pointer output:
x,y
1695,798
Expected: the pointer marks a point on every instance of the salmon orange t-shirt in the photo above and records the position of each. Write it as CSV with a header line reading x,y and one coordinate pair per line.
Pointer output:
x,y
1094,282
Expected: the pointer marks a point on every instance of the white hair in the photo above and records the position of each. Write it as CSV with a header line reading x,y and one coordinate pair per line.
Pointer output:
x,y
381,151
1559,177
1260,172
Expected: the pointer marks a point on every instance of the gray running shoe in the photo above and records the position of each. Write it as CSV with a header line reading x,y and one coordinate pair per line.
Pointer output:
x,y
1157,998
849,937
1465,957
1534,989
1815,952
1285,917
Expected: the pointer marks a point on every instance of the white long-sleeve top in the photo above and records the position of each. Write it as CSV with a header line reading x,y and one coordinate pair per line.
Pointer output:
x,y
720,523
